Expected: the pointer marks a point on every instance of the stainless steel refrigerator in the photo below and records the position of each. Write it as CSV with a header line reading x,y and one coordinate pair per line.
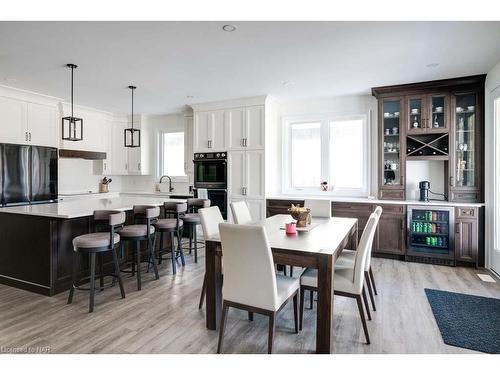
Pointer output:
x,y
28,174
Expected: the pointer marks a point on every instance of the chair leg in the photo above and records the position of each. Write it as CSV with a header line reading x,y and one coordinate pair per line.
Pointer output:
x,y
92,282
291,271
172,250
272,329
373,281
223,319
190,239
363,292
151,248
160,251
179,246
195,244
117,273
311,299
203,290
73,278
295,312
301,309
101,273
250,316
363,320
138,263
370,292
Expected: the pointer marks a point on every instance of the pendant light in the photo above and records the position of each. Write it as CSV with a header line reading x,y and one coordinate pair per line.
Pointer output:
x,y
72,127
132,137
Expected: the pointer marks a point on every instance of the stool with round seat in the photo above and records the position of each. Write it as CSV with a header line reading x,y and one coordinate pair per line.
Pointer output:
x,y
141,232
173,225
192,220
98,243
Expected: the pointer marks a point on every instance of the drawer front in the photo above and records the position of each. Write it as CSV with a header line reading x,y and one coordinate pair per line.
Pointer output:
x,y
465,196
399,209
391,194
283,202
358,207
467,212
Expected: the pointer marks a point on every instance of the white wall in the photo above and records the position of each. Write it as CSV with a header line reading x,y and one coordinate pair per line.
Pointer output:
x,y
492,82
339,105
174,122
82,176
420,170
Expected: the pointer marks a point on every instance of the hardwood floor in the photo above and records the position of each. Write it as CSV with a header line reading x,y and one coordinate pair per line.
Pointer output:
x,y
164,316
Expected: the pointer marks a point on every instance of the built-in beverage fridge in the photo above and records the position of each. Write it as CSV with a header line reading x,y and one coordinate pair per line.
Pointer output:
x,y
431,235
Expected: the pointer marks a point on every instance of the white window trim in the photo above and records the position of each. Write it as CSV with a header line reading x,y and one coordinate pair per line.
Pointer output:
x,y
159,158
324,120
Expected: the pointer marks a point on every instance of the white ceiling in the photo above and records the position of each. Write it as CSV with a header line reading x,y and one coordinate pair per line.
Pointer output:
x,y
169,61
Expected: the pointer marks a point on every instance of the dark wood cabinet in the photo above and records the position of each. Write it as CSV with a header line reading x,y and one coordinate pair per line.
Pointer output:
x,y
280,206
437,120
466,235
391,232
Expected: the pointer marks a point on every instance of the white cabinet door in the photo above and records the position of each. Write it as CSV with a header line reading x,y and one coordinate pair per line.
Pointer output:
x,y
13,128
42,125
256,208
134,160
254,174
236,163
118,149
234,120
107,167
254,126
217,137
202,131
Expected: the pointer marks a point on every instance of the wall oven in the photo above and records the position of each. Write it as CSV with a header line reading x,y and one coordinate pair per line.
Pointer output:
x,y
210,170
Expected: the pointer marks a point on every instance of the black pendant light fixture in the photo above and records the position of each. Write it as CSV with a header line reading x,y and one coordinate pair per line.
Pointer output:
x,y
72,127
132,137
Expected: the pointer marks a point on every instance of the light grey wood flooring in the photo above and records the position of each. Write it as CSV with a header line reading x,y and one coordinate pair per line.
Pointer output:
x,y
164,316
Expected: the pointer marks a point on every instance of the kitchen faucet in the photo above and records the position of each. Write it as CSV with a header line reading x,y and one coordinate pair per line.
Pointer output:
x,y
170,188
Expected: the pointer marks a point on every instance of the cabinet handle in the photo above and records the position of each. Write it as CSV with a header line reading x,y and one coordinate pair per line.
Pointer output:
x,y
126,166
245,142
209,143
139,166
402,224
29,136
457,228
452,181
104,166
402,180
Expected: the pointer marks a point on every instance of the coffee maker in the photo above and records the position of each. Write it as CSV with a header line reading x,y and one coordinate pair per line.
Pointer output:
x,y
424,187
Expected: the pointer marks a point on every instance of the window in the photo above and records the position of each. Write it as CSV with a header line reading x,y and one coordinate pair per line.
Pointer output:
x,y
329,148
171,156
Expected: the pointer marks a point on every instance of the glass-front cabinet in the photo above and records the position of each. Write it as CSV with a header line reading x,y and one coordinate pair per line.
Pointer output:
x,y
392,148
465,171
427,114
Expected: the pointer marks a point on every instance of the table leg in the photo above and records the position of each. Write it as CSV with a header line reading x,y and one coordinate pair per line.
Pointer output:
x,y
324,319
213,284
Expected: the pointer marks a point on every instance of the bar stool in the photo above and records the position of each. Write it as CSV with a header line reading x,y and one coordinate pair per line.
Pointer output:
x,y
173,226
192,220
138,233
97,243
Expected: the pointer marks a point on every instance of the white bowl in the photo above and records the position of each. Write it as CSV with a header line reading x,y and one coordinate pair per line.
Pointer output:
x,y
470,108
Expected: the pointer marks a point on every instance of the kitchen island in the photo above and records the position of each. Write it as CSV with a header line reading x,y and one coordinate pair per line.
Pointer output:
x,y
36,240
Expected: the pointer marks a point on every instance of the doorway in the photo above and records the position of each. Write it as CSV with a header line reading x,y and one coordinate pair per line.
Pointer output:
x,y
495,253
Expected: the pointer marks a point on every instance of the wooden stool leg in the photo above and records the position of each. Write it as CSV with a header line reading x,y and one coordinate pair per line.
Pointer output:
x,y
190,238
152,257
363,319
203,290
223,319
172,249
74,277
160,252
138,263
250,316
272,330
117,273
92,282
311,299
179,246
101,273
295,312
195,244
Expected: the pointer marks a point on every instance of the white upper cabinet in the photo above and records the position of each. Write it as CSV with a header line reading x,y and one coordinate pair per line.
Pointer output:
x,y
209,131
14,128
42,125
118,162
94,124
234,120
254,127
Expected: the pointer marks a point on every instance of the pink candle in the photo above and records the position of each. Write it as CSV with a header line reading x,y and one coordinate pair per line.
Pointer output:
x,y
291,228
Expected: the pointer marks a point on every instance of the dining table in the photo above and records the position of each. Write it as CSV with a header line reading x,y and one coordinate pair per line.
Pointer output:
x,y
318,247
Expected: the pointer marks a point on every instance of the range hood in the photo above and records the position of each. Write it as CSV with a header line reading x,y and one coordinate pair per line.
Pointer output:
x,y
78,154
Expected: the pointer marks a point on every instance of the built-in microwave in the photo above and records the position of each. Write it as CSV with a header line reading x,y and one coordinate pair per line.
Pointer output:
x,y
210,170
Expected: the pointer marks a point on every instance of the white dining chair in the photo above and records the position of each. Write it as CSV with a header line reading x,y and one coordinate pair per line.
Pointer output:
x,y
210,219
346,259
319,207
250,282
348,282
241,213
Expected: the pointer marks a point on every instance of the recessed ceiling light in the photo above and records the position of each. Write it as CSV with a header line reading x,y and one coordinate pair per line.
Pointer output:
x,y
189,96
432,65
286,83
229,28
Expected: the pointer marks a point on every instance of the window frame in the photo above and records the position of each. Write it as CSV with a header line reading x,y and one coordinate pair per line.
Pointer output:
x,y
160,147
324,120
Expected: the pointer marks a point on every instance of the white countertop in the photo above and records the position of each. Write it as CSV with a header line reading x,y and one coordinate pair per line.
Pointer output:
x,y
84,207
379,201
153,193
